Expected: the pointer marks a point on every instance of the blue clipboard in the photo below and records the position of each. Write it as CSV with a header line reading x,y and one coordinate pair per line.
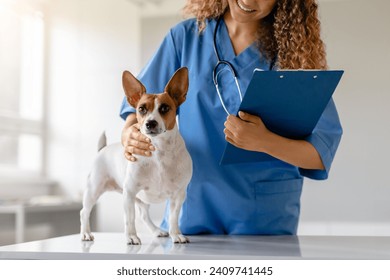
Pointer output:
x,y
290,103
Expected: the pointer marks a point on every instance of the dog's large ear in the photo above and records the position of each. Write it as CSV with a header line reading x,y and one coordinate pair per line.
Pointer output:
x,y
177,86
133,88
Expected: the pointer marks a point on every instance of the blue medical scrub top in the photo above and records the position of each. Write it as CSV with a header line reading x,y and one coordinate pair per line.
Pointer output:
x,y
250,198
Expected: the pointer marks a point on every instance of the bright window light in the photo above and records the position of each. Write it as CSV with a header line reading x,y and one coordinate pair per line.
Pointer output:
x,y
21,89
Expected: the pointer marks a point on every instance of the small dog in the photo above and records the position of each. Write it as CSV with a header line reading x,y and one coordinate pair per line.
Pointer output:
x,y
164,175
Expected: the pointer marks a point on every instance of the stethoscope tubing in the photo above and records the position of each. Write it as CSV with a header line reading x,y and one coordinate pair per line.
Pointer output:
x,y
230,67
223,62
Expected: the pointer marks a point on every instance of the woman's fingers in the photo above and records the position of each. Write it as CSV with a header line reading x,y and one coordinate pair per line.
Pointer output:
x,y
146,146
137,151
137,144
129,156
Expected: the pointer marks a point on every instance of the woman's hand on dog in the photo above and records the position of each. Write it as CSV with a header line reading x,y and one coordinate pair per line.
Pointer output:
x,y
133,141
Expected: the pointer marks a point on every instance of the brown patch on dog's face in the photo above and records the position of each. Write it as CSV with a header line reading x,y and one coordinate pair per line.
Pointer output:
x,y
167,109
144,107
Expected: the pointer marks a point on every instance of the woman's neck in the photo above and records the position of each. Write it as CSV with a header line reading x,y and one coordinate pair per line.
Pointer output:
x,y
241,34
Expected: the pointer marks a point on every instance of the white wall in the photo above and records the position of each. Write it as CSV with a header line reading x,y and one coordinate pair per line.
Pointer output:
x,y
355,200
89,48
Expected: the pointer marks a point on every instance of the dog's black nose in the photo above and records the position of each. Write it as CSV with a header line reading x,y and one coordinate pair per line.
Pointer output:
x,y
152,124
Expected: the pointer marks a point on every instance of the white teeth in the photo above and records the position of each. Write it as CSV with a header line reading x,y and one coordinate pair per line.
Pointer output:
x,y
241,6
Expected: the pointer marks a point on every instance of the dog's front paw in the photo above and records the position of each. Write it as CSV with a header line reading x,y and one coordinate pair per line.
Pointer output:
x,y
133,240
87,236
179,238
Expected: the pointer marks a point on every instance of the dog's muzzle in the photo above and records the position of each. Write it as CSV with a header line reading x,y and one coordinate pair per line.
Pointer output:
x,y
152,128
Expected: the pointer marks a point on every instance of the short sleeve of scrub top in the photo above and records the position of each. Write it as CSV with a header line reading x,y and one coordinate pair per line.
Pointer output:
x,y
325,138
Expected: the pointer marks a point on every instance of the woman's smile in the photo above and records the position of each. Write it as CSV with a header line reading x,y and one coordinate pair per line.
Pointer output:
x,y
243,7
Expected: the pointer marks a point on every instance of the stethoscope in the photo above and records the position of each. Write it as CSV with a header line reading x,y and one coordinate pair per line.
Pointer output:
x,y
229,67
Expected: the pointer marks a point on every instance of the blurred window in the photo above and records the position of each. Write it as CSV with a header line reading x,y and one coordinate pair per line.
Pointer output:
x,y
21,89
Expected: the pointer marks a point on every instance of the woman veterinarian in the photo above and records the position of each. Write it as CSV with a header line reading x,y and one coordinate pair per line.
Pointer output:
x,y
251,198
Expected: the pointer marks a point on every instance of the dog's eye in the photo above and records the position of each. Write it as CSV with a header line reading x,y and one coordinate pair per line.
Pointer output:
x,y
142,110
164,108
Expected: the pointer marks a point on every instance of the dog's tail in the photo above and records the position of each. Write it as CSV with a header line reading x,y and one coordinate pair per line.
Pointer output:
x,y
102,141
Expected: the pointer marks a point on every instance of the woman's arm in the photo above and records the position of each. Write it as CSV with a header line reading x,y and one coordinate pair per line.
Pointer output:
x,y
249,132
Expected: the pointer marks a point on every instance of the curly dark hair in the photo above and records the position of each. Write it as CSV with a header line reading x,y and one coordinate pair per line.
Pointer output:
x,y
290,33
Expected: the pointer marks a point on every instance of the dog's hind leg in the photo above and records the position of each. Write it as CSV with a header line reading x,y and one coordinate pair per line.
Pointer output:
x,y
144,213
